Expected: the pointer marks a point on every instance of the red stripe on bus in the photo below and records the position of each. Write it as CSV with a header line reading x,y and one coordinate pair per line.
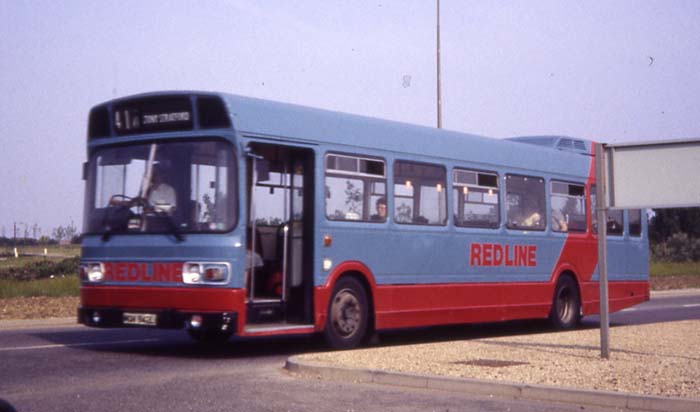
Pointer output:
x,y
403,306
622,294
156,298
580,251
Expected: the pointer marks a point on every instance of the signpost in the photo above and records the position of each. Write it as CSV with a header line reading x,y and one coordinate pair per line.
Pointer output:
x,y
638,176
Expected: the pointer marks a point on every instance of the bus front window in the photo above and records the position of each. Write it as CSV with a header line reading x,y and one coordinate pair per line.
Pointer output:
x,y
165,187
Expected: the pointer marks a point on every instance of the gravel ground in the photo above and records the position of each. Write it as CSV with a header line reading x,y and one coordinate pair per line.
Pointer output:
x,y
671,282
38,307
660,359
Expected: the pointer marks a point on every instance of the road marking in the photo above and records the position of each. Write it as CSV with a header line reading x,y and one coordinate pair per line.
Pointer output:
x,y
691,305
73,345
628,310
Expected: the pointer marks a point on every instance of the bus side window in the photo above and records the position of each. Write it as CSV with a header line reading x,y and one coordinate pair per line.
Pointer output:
x,y
568,207
355,188
635,222
525,202
420,195
615,223
476,198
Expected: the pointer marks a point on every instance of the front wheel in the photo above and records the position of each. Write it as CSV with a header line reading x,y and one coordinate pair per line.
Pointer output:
x,y
346,325
566,305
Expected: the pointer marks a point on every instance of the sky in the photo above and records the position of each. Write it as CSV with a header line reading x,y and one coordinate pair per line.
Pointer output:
x,y
611,71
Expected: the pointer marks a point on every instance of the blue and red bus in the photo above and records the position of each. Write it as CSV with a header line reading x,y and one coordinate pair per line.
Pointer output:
x,y
222,215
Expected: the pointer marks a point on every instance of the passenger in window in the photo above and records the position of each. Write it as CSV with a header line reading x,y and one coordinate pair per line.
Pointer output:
x,y
559,216
613,225
559,221
532,220
380,216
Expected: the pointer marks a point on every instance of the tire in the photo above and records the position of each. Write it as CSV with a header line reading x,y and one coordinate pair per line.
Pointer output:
x,y
346,324
209,336
566,304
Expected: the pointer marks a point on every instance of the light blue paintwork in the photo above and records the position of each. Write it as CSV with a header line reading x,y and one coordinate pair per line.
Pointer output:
x,y
395,253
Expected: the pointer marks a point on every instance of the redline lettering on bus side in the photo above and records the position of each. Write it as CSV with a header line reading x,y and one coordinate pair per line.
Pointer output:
x,y
486,249
475,254
494,254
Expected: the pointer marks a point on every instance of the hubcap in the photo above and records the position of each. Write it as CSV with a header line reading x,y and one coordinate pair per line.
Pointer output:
x,y
345,312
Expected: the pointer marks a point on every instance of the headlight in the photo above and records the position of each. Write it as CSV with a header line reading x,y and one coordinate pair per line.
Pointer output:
x,y
192,273
92,272
205,272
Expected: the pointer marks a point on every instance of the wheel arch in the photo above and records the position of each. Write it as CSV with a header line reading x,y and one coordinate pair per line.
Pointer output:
x,y
355,269
570,272
571,275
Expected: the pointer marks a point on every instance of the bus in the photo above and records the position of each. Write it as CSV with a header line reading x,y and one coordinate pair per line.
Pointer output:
x,y
229,215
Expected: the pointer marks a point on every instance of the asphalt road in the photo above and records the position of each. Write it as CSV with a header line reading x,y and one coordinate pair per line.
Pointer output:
x,y
663,307
81,369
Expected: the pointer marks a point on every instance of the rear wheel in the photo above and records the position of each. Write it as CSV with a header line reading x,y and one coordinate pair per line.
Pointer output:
x,y
346,325
566,305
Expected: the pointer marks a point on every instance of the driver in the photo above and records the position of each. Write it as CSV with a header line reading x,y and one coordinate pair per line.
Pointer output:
x,y
161,195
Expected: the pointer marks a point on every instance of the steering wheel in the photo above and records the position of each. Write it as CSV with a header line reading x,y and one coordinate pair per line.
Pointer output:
x,y
129,202
115,200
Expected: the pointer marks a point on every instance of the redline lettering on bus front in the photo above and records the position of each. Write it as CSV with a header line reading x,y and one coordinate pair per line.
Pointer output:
x,y
494,254
139,272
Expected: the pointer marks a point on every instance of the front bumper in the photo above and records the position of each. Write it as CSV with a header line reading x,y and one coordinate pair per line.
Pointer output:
x,y
164,319
173,307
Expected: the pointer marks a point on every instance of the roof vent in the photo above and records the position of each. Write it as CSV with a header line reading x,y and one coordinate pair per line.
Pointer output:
x,y
557,142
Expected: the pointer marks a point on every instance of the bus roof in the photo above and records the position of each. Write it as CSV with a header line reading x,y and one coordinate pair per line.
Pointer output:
x,y
255,117
553,154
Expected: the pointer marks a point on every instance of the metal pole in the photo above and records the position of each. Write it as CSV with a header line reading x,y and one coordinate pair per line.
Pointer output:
x,y
439,88
285,229
602,214
254,224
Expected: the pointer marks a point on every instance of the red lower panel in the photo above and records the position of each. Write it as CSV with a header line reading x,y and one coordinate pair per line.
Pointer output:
x,y
182,299
425,305
620,295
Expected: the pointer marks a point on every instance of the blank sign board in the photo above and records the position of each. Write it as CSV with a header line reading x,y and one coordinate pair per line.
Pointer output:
x,y
658,175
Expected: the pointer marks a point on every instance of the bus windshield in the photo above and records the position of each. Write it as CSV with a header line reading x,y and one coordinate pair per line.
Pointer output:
x,y
177,187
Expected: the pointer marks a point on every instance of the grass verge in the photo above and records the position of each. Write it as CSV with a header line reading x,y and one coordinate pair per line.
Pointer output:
x,y
56,287
67,251
674,268
34,268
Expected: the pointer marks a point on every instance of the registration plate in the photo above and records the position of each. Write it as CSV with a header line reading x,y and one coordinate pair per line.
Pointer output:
x,y
143,319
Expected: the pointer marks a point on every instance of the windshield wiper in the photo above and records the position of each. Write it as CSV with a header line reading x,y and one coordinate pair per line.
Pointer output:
x,y
116,220
171,224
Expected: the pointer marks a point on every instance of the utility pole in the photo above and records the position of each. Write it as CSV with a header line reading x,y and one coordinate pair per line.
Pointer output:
x,y
439,88
602,213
